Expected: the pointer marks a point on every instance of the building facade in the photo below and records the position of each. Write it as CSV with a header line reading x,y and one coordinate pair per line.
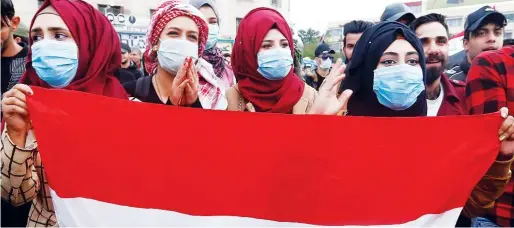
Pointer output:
x,y
130,18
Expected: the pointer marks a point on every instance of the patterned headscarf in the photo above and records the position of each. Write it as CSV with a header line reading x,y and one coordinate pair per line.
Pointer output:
x,y
209,92
167,11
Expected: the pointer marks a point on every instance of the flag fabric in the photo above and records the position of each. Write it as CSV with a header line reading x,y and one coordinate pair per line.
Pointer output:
x,y
112,162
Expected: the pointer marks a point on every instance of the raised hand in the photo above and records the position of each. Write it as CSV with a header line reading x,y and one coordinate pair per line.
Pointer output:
x,y
327,102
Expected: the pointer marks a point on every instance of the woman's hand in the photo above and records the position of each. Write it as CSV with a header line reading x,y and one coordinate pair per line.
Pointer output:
x,y
16,114
327,102
183,85
506,134
191,91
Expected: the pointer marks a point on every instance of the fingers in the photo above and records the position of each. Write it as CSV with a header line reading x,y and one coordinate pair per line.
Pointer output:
x,y
250,107
24,88
181,74
505,125
507,128
504,112
14,101
10,110
19,94
344,98
333,85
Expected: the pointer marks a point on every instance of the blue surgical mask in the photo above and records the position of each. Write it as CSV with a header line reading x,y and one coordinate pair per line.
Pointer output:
x,y
173,52
398,87
275,64
55,62
214,33
326,64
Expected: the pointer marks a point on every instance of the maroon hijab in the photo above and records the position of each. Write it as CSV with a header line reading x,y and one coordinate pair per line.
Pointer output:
x,y
266,96
99,50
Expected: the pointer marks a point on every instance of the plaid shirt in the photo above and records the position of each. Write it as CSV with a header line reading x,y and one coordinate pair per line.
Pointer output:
x,y
490,86
24,181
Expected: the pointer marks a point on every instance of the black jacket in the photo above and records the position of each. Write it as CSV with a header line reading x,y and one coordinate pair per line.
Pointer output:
x,y
129,74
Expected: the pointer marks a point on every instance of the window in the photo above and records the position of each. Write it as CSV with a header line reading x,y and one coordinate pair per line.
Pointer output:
x,y
40,3
454,1
238,21
276,3
415,9
104,9
510,17
508,35
454,22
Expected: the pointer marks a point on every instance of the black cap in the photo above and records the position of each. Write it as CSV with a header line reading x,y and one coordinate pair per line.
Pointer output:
x,y
396,11
125,47
484,14
322,48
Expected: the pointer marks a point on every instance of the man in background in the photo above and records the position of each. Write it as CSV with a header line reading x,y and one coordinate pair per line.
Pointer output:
x,y
324,60
128,71
398,12
483,31
352,33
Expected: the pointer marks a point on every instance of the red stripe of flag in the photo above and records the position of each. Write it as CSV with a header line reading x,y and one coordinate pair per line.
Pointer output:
x,y
323,170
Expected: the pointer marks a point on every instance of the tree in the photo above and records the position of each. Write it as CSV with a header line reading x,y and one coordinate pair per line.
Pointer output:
x,y
309,35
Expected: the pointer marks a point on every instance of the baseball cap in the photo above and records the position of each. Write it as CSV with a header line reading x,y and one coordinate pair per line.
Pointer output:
x,y
125,48
323,48
395,11
484,14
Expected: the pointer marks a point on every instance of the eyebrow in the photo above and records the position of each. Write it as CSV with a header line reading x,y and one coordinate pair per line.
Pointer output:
x,y
53,29
390,53
412,53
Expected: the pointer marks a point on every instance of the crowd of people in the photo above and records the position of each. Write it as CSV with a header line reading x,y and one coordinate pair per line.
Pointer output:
x,y
394,68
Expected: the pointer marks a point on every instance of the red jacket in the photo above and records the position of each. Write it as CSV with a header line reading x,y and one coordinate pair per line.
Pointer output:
x,y
454,100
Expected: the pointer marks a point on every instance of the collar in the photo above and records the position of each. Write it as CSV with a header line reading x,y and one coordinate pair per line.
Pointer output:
x,y
449,90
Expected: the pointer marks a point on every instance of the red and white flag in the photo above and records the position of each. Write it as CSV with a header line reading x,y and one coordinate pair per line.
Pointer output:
x,y
113,162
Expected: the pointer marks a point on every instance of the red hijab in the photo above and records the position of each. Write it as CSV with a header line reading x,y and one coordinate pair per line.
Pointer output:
x,y
266,96
99,50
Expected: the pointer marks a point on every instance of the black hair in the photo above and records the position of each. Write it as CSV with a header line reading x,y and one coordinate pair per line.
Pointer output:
x,y
355,27
433,17
7,11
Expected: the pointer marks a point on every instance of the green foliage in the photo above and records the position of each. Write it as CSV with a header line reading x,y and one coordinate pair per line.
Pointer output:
x,y
309,35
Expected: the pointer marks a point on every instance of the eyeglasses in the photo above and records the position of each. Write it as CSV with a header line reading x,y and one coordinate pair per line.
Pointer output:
x,y
326,56
123,51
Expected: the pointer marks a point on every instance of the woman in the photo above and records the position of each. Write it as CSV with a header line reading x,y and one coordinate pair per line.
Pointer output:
x,y
387,55
262,59
65,54
387,76
177,35
212,53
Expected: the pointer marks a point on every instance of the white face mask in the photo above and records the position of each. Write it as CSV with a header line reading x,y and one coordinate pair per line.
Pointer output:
x,y
173,52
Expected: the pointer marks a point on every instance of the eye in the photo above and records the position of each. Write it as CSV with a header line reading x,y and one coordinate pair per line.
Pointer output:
x,y
413,62
424,41
173,34
284,44
498,32
388,62
442,41
60,36
36,38
266,46
192,37
481,33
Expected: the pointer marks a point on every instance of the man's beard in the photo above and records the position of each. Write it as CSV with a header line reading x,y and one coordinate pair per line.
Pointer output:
x,y
434,73
4,45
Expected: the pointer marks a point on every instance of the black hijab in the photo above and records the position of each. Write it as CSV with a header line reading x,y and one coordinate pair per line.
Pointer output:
x,y
359,74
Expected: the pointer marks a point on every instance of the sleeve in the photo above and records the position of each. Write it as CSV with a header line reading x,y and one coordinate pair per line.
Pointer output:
x,y
489,189
485,89
130,87
20,182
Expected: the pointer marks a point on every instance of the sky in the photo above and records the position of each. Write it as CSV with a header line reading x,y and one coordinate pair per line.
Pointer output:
x,y
317,14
